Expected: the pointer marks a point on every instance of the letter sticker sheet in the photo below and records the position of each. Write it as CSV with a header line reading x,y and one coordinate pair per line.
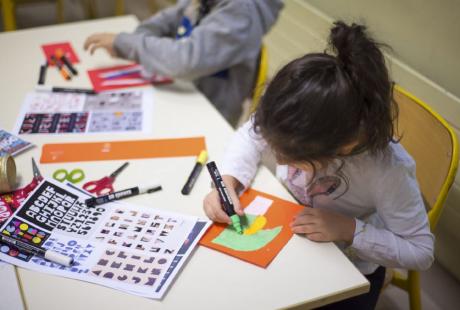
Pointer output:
x,y
57,113
126,247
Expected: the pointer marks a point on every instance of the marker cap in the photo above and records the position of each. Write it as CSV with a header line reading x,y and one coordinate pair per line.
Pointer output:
x,y
59,258
236,223
203,157
149,189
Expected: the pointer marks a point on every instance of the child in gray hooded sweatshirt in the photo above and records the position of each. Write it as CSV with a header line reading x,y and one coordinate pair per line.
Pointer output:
x,y
215,43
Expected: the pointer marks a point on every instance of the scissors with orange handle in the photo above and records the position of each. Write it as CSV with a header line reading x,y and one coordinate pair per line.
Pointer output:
x,y
104,185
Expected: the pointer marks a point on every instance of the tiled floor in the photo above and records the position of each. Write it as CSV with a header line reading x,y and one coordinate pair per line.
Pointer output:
x,y
440,291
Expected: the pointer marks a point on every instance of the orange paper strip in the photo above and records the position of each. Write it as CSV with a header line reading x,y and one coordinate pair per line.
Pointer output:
x,y
280,213
113,150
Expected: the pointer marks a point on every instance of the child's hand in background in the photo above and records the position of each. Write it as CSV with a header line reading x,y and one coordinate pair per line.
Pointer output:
x,y
212,206
101,40
324,225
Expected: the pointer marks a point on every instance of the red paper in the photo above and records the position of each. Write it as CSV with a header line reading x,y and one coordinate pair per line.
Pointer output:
x,y
132,80
50,49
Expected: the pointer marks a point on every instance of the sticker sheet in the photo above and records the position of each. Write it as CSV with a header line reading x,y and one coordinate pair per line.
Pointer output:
x,y
10,144
57,113
131,248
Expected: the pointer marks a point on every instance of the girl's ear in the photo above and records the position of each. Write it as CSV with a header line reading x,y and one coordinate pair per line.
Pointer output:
x,y
348,148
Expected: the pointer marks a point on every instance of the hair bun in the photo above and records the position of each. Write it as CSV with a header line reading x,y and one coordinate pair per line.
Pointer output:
x,y
348,41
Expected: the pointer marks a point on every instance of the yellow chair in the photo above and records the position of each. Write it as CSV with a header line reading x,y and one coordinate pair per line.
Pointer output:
x,y
9,12
91,11
261,78
119,7
433,145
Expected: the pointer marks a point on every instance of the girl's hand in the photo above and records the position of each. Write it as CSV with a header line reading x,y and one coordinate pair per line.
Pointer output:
x,y
323,225
212,206
101,40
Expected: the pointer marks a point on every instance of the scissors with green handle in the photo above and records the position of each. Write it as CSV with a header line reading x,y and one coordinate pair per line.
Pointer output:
x,y
74,176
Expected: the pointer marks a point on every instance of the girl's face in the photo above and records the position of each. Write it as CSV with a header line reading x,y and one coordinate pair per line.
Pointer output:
x,y
318,165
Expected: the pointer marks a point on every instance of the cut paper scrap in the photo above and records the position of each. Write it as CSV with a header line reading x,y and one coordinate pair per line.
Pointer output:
x,y
259,206
122,76
256,224
254,237
114,150
265,225
65,47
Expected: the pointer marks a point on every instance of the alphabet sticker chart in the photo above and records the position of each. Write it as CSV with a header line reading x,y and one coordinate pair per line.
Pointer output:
x,y
131,248
56,113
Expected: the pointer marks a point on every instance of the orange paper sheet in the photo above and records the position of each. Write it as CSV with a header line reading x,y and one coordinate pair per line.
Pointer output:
x,y
114,150
280,213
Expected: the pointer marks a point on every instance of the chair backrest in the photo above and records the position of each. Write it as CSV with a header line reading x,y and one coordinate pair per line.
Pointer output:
x,y
261,78
433,145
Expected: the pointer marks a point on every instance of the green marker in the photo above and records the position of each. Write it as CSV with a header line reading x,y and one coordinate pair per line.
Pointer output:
x,y
225,199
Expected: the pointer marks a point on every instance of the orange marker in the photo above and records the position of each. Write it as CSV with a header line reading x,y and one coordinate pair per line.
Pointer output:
x,y
60,67
60,55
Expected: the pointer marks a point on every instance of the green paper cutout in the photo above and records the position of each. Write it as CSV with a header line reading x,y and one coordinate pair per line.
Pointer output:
x,y
231,239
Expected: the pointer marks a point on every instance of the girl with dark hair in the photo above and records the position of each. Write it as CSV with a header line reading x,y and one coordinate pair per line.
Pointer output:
x,y
329,118
214,43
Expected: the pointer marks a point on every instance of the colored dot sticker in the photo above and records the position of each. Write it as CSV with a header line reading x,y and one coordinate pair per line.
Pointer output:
x,y
36,240
4,249
23,226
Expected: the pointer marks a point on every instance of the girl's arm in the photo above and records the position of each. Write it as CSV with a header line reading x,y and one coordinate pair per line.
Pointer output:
x,y
243,154
406,240
224,38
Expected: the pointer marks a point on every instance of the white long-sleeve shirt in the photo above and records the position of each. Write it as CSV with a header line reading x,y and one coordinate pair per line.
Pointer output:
x,y
380,192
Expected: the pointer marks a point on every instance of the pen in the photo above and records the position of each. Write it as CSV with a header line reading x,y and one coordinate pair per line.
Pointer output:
x,y
35,250
61,69
195,172
119,73
66,90
225,199
123,82
95,201
67,63
42,75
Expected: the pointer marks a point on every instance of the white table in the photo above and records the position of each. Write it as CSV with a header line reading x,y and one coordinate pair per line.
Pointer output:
x,y
303,273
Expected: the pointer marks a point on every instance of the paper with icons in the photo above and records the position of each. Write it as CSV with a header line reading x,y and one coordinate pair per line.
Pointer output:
x,y
45,112
136,249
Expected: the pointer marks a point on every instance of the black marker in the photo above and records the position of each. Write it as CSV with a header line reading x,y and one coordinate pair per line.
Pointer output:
x,y
66,90
195,172
35,250
95,201
60,54
225,199
42,75
60,68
